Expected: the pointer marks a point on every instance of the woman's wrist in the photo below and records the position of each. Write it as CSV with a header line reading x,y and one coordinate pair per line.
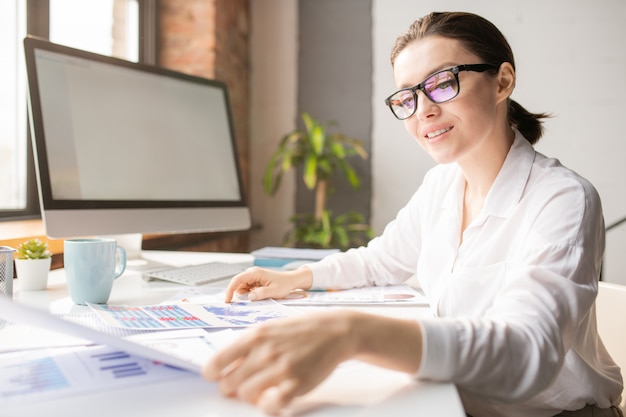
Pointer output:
x,y
388,342
302,278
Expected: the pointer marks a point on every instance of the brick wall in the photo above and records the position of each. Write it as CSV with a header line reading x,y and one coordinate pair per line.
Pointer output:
x,y
187,36
209,38
232,66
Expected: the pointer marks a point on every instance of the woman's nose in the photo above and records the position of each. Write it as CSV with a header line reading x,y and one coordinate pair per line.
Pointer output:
x,y
425,107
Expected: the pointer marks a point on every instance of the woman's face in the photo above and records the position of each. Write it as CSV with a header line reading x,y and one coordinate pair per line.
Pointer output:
x,y
464,128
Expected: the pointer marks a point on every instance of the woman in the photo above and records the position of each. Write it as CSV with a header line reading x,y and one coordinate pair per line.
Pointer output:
x,y
506,243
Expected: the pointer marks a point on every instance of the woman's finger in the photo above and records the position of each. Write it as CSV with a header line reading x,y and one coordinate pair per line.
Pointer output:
x,y
226,359
275,398
243,282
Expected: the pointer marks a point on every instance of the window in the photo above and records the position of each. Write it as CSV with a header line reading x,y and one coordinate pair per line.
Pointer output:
x,y
13,197
108,27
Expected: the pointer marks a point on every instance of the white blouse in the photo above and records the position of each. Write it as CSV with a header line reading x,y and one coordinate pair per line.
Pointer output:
x,y
515,326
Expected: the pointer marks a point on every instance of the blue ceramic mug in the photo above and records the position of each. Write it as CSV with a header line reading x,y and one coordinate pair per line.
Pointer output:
x,y
91,266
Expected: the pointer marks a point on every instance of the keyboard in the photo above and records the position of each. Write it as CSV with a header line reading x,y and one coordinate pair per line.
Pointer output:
x,y
200,274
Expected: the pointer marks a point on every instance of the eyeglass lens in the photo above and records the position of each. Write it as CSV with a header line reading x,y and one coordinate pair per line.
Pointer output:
x,y
440,87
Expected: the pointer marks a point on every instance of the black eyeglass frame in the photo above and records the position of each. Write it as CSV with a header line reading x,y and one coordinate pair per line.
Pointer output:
x,y
422,86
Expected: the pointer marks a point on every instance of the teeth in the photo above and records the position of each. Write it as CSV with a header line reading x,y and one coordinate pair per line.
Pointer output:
x,y
437,133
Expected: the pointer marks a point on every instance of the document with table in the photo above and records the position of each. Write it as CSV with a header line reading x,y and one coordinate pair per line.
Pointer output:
x,y
140,354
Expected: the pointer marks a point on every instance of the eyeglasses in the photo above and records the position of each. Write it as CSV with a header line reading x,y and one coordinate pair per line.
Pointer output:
x,y
439,87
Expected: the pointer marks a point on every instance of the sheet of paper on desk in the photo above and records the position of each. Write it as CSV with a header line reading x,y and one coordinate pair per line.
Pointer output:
x,y
16,336
52,373
16,312
387,295
188,315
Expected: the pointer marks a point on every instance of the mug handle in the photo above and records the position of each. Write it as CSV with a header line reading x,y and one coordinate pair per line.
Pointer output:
x,y
122,264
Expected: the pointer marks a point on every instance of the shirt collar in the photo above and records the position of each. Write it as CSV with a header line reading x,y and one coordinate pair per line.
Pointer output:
x,y
510,183
508,186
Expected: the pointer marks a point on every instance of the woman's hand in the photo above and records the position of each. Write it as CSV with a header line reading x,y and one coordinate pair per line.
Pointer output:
x,y
276,361
262,283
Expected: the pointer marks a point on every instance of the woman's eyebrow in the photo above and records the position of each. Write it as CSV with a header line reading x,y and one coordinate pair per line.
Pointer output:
x,y
436,69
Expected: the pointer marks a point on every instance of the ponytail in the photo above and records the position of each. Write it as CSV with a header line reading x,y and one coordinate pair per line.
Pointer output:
x,y
529,124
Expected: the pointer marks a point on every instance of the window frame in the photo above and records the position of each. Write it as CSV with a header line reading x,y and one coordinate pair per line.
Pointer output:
x,y
38,24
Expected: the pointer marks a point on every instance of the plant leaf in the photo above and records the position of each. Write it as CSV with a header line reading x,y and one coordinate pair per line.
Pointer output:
x,y
318,137
287,164
310,172
350,174
308,122
272,176
338,150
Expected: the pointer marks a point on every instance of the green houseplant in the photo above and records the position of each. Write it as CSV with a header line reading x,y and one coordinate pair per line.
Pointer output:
x,y
320,154
32,264
33,249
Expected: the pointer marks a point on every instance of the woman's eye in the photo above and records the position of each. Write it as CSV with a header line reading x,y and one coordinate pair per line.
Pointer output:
x,y
404,99
407,102
444,85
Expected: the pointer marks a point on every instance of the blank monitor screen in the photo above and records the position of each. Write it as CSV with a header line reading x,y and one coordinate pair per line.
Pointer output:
x,y
123,147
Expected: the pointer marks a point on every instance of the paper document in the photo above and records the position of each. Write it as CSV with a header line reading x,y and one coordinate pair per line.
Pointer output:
x,y
52,373
177,316
388,295
18,313
20,337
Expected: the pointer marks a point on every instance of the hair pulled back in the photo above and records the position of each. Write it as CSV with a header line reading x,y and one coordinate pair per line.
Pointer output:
x,y
482,38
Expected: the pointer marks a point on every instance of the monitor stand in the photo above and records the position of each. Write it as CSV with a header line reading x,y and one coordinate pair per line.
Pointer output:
x,y
131,243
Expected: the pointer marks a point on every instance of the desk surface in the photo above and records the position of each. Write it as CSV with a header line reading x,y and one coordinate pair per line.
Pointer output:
x,y
358,389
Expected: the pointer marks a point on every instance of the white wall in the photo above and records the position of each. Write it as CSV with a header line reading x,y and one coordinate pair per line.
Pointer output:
x,y
273,63
571,62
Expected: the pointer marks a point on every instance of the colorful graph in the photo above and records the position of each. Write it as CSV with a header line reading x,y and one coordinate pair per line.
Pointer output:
x,y
118,365
241,314
55,373
187,315
153,317
176,316
33,376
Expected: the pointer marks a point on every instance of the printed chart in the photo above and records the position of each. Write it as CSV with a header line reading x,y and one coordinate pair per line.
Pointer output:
x,y
51,373
177,316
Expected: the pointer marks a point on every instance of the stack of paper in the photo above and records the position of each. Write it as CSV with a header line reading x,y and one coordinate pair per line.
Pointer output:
x,y
278,257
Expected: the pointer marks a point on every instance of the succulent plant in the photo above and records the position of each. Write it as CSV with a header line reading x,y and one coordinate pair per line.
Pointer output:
x,y
33,249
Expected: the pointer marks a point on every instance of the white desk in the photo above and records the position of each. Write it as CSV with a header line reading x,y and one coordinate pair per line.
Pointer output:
x,y
359,390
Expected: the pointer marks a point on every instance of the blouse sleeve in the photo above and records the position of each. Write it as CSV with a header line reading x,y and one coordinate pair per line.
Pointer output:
x,y
389,259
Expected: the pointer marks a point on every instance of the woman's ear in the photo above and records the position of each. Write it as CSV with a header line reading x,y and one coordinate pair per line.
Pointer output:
x,y
506,81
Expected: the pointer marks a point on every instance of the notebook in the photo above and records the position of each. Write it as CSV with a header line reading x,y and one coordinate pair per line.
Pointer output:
x,y
162,352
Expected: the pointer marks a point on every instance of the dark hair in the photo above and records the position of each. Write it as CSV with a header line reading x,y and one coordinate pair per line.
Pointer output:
x,y
482,38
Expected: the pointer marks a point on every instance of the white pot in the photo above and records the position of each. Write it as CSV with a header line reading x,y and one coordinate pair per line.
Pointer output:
x,y
32,274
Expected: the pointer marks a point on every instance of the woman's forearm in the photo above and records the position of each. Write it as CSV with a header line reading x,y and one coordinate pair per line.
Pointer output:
x,y
388,342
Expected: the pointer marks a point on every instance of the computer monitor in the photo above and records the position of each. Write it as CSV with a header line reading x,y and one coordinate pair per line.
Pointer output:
x,y
123,147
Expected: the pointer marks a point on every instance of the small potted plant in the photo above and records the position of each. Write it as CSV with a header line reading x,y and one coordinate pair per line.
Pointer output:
x,y
32,264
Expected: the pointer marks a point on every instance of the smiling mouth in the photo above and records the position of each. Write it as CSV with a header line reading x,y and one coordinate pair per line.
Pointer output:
x,y
439,132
